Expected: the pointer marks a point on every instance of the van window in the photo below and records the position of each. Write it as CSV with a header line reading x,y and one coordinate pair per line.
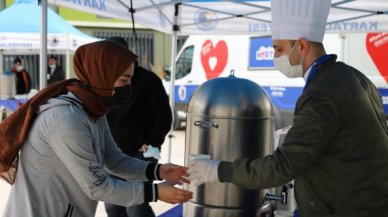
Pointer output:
x,y
183,65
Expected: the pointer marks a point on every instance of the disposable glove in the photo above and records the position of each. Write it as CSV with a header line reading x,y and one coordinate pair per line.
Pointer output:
x,y
203,171
152,152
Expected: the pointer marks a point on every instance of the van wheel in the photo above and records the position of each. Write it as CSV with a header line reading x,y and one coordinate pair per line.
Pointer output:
x,y
177,122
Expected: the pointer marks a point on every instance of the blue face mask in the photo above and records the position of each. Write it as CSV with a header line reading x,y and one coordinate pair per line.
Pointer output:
x,y
121,96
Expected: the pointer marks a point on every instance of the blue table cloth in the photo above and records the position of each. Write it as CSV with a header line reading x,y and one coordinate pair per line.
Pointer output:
x,y
176,211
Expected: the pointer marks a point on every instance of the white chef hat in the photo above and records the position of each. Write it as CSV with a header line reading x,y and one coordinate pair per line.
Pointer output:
x,y
294,19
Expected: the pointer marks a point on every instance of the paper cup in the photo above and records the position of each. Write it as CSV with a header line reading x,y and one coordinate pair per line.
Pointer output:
x,y
283,213
199,156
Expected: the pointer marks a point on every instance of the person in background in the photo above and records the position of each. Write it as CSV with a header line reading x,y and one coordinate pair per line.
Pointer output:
x,y
66,146
337,149
140,124
54,71
23,79
166,73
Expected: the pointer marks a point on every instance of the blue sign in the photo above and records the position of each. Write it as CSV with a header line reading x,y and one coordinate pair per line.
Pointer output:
x,y
260,52
384,97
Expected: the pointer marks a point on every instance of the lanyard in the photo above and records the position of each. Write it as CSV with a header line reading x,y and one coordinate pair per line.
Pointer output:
x,y
315,67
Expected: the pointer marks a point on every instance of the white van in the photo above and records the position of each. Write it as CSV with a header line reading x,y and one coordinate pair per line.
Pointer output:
x,y
206,57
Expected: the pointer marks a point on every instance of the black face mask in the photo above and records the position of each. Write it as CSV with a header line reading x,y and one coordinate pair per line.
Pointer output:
x,y
120,97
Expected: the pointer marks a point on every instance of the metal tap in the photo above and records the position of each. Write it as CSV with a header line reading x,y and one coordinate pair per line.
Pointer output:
x,y
282,197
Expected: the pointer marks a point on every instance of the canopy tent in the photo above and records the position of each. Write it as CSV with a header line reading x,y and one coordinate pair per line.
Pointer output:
x,y
243,17
20,33
20,30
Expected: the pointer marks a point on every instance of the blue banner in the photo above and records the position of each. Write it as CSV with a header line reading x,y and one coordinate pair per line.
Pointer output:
x,y
384,98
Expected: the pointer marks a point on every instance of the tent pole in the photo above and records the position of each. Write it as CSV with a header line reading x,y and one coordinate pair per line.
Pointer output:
x,y
1,63
68,64
68,61
172,77
43,46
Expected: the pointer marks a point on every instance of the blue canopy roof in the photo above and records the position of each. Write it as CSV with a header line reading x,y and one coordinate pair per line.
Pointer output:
x,y
24,17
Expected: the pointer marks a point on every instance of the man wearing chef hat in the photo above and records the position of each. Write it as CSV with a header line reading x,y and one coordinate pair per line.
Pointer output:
x,y
337,149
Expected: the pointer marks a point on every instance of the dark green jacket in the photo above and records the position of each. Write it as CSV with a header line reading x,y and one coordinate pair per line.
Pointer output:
x,y
336,150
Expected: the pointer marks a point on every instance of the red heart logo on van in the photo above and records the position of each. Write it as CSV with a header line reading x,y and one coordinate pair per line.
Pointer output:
x,y
377,46
214,59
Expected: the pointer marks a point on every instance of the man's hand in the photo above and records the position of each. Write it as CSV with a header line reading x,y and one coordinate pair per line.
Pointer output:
x,y
202,171
174,174
171,194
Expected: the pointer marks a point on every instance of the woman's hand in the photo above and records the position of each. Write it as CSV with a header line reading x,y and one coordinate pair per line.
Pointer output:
x,y
173,195
174,174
